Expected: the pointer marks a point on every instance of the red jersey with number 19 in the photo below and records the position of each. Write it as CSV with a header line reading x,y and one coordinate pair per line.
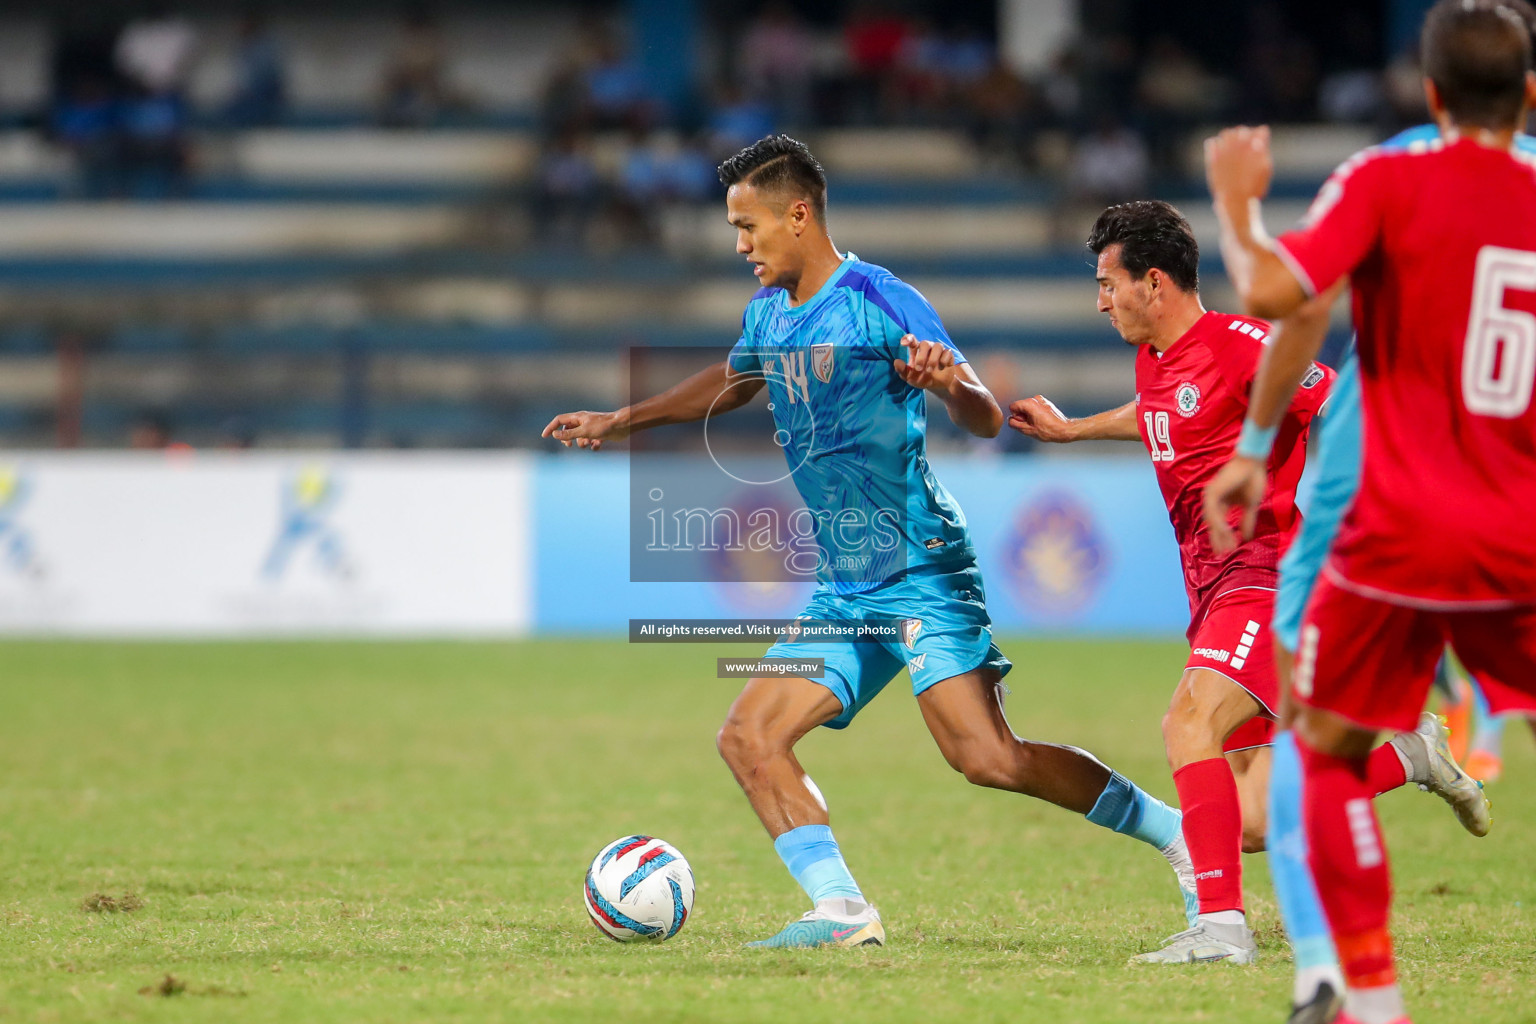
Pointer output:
x,y
1190,403
1440,244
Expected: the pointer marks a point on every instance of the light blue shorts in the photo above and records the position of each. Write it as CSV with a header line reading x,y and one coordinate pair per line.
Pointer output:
x,y
945,631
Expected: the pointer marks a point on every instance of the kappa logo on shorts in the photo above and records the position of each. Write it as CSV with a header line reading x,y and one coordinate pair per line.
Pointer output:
x,y
821,362
1187,399
909,630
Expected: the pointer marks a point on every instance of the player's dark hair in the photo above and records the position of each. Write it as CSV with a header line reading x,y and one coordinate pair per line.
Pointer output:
x,y
1477,53
1150,233
779,164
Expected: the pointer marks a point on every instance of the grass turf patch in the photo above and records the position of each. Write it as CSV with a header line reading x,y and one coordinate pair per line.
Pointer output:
x,y
321,831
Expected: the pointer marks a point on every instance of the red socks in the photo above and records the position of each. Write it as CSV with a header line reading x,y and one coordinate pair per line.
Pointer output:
x,y
1213,831
1349,861
1384,769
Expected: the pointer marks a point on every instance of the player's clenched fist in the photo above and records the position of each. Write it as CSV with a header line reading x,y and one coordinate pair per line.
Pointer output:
x,y
1238,162
1039,418
927,364
587,429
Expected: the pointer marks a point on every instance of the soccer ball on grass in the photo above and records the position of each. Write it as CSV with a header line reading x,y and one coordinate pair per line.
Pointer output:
x,y
639,887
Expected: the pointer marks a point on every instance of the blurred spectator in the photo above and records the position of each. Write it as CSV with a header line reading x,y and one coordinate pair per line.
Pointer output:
x,y
966,55
874,39
738,120
1108,74
1062,88
1404,85
155,54
659,171
1351,96
155,152
614,86
151,431
237,433
415,87
1279,69
775,62
259,82
1111,165
1004,115
1175,94
84,123
568,190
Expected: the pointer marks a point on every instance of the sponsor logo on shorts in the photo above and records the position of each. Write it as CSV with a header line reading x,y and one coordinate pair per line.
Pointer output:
x,y
916,664
1212,653
933,543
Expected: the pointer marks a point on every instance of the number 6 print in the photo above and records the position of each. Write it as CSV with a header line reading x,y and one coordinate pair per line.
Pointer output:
x,y
1498,365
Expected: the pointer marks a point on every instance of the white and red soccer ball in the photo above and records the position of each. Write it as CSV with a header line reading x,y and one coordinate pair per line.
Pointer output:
x,y
639,887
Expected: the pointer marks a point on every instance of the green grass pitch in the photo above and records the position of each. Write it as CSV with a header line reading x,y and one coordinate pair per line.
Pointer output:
x,y
397,832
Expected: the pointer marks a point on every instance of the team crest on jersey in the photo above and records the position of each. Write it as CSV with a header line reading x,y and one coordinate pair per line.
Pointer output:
x,y
1313,378
821,362
1187,399
909,630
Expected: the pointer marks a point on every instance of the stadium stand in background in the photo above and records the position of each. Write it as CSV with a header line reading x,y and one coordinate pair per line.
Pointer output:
x,y
327,225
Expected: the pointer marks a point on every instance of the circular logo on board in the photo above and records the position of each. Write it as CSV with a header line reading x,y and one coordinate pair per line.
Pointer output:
x,y
1187,399
1055,556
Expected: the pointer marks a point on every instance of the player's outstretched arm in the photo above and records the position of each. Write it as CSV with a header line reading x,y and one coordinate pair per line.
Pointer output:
x,y
709,392
1039,418
1238,168
931,366
1294,344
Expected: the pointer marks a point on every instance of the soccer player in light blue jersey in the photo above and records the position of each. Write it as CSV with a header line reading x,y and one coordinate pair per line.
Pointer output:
x,y
849,355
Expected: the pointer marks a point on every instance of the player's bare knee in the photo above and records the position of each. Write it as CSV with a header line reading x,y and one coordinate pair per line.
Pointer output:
x,y
1187,737
741,744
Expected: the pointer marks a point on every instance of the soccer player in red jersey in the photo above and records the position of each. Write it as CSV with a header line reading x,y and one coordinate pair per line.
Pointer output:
x,y
1193,373
1439,243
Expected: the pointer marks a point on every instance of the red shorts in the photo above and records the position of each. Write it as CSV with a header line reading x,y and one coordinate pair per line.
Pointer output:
x,y
1374,662
1234,640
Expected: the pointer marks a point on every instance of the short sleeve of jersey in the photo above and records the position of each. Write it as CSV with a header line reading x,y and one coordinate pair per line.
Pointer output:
x,y
1342,226
906,311
744,357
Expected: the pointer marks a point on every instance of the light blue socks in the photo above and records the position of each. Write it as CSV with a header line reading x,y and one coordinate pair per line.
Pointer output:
x,y
812,856
1295,891
1131,812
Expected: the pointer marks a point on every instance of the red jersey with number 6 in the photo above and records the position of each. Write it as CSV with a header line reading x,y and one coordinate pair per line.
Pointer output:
x,y
1439,241
1190,403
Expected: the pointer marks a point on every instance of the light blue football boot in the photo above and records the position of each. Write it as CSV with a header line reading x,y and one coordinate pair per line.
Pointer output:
x,y
832,923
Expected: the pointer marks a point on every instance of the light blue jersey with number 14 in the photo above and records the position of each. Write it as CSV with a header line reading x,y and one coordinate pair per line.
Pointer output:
x,y
853,432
